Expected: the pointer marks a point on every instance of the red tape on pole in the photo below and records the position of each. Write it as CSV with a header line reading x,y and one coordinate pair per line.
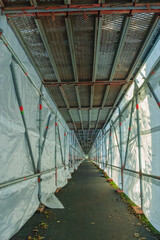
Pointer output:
x,y
137,106
40,106
21,108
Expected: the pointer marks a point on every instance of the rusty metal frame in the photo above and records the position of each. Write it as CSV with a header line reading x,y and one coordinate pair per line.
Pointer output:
x,y
92,8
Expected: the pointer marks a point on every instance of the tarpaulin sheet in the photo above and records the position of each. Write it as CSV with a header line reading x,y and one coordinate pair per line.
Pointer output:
x,y
20,200
149,124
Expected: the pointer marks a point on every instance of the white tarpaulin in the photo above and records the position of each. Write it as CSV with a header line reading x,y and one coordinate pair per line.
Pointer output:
x,y
128,150
20,200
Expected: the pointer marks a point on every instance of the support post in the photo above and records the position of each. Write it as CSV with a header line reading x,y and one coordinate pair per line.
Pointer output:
x,y
129,131
65,144
60,144
55,153
40,144
139,149
111,148
46,131
120,145
22,114
156,98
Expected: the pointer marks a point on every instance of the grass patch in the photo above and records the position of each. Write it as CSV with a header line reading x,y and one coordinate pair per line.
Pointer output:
x,y
114,185
127,200
148,225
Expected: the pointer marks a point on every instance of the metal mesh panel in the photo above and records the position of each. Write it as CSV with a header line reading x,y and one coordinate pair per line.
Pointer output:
x,y
98,95
57,96
58,40
111,29
71,95
139,25
94,114
113,93
17,2
32,39
85,95
75,115
83,33
85,115
104,114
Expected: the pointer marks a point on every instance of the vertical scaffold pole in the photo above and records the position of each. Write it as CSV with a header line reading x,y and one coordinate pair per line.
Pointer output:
x,y
102,151
55,151
105,141
22,115
129,132
111,150
40,144
60,144
120,145
139,150
65,145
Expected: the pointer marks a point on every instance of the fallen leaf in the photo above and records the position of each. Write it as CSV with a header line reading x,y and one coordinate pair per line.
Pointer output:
x,y
139,224
39,237
92,222
136,235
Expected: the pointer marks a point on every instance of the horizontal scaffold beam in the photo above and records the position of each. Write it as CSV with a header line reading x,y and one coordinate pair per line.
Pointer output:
x,y
85,108
150,7
55,84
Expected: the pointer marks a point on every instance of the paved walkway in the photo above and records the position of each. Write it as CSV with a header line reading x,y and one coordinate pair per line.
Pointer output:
x,y
93,211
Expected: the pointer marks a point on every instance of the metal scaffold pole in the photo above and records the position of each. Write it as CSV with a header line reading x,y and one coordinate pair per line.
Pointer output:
x,y
111,150
40,144
139,149
120,145
22,115
55,154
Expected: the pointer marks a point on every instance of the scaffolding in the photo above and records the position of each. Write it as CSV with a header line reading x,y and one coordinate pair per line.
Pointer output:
x,y
39,152
127,148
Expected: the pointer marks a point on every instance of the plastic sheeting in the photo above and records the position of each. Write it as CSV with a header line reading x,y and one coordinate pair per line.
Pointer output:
x,y
20,200
149,115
